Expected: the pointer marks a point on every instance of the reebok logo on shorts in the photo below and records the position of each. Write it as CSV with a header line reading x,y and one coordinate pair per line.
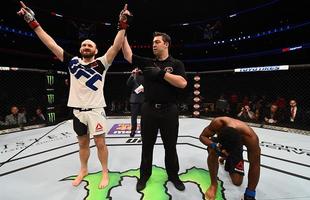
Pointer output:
x,y
99,127
240,167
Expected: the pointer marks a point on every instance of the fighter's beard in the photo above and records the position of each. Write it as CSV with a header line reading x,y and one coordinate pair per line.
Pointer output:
x,y
87,55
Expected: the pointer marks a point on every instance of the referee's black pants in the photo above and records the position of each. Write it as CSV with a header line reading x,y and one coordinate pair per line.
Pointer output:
x,y
166,120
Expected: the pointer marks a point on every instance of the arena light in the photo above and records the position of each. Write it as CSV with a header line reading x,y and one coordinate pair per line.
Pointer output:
x,y
287,49
251,36
295,48
229,15
253,54
240,38
56,15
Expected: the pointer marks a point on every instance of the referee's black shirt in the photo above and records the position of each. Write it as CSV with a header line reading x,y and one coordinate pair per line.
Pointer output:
x,y
160,91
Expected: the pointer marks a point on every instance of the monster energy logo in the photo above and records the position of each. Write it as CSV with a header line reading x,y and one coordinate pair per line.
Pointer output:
x,y
50,98
51,117
50,80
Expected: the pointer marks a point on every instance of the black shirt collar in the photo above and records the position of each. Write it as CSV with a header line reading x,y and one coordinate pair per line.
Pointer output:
x,y
167,59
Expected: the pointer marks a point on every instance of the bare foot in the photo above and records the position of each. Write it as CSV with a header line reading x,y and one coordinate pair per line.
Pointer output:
x,y
211,193
79,178
104,180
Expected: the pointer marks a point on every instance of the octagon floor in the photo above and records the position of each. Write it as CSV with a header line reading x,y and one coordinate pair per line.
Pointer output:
x,y
46,167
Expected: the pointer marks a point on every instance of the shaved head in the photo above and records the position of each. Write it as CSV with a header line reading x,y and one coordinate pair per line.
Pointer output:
x,y
90,42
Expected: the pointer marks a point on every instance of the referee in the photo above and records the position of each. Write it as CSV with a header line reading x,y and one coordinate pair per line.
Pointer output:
x,y
164,76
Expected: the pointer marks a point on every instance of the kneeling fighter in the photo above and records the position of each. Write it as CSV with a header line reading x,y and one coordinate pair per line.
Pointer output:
x,y
225,138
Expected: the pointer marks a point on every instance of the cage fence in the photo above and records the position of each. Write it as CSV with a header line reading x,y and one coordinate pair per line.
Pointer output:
x,y
208,94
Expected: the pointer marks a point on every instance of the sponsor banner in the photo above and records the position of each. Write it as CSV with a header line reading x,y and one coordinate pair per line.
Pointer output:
x,y
122,129
263,69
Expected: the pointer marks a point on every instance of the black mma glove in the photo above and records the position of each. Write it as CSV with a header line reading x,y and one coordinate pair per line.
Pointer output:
x,y
29,17
249,194
153,73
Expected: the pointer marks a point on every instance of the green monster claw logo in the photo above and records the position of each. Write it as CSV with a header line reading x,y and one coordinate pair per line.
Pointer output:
x,y
155,185
51,117
50,80
50,98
